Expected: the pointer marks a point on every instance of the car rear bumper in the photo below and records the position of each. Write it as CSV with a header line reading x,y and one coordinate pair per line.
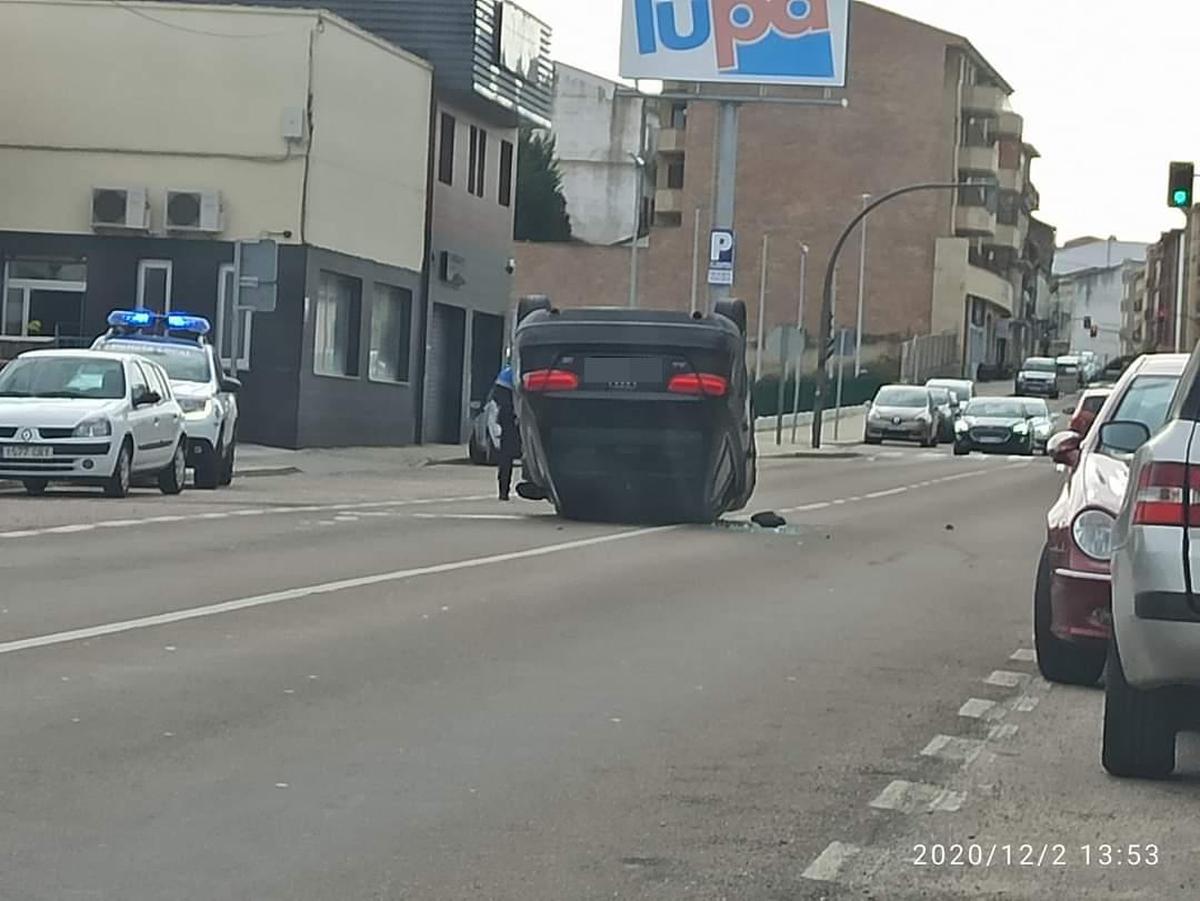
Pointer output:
x,y
81,459
1081,605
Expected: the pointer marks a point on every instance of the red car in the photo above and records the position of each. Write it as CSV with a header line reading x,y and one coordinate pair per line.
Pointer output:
x,y
1072,600
1089,405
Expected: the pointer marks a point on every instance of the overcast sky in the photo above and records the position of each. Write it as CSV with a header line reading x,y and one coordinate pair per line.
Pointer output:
x,y
1108,88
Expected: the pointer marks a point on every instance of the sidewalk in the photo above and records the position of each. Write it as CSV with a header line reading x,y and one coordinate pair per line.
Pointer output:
x,y
849,428
258,460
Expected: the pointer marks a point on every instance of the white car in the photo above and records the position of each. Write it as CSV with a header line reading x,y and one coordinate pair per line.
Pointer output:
x,y
94,418
206,394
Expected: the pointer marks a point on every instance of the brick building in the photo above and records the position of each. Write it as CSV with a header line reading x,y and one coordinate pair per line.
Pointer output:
x,y
922,105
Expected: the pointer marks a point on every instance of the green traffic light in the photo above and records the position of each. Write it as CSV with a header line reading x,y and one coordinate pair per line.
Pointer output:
x,y
1180,197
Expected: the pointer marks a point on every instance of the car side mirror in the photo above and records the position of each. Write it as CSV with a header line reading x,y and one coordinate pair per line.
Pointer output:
x,y
146,398
1064,448
1124,436
230,385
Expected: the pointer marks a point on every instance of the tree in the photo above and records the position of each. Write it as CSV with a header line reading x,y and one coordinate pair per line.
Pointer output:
x,y
541,213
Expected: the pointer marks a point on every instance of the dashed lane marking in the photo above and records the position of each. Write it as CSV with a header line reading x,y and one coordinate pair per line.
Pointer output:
x,y
1026,703
293,594
911,797
1006,679
953,748
1024,655
75,528
1002,732
976,708
828,865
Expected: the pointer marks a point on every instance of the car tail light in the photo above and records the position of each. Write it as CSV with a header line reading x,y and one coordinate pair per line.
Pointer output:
x,y
1163,490
698,383
550,380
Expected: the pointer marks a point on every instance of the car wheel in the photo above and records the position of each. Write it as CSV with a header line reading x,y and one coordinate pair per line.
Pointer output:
x,y
960,451
117,484
35,487
477,454
171,480
867,439
1060,661
1139,726
208,469
227,464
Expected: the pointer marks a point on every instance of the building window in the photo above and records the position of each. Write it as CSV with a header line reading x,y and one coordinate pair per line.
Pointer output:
x,y
225,301
391,324
678,116
338,325
506,173
446,151
43,298
478,161
675,174
154,285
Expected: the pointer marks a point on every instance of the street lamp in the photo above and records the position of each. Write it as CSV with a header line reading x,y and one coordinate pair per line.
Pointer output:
x,y
640,163
862,280
800,333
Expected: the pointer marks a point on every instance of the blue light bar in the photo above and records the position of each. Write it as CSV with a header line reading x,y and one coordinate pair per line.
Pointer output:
x,y
128,318
185,322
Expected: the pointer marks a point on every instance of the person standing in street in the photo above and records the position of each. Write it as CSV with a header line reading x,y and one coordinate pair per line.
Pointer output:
x,y
503,429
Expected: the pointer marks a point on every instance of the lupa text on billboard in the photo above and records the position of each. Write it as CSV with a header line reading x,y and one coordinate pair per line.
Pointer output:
x,y
798,42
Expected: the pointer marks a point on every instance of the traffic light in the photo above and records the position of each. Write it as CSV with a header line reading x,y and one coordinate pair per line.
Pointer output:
x,y
1087,323
1095,332
1179,191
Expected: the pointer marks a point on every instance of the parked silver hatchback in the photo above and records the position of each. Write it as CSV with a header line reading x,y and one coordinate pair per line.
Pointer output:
x,y
1152,682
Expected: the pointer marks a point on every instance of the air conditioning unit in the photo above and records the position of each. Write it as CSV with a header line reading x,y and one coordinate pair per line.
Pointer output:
x,y
193,211
125,209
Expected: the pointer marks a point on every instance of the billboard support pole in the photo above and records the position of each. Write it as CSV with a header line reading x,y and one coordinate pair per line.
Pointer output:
x,y
726,181
235,325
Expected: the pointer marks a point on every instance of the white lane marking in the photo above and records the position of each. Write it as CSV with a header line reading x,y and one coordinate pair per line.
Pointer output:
x,y
830,862
1026,703
1024,655
254,511
976,708
1002,732
910,797
469,516
804,508
950,747
839,502
889,493
1006,679
293,594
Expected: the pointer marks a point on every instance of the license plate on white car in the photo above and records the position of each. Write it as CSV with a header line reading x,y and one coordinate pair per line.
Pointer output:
x,y
27,452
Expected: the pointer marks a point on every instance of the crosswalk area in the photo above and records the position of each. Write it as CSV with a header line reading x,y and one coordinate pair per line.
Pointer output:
x,y
922,456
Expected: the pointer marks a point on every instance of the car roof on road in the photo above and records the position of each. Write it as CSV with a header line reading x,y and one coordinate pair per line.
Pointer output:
x,y
61,353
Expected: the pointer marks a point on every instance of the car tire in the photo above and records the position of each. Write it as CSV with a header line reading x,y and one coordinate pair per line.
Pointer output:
x,y
35,487
208,469
117,484
172,479
228,459
960,451
1139,726
477,454
867,439
1065,662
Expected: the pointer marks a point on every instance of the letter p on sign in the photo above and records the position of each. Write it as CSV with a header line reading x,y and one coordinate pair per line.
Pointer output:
x,y
721,249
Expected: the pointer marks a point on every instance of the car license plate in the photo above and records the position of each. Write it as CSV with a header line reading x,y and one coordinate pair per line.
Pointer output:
x,y
991,439
27,452
622,371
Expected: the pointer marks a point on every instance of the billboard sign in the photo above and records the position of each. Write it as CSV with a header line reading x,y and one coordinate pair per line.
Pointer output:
x,y
787,42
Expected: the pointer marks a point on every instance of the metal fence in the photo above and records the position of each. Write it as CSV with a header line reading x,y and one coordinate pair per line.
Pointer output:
x,y
929,356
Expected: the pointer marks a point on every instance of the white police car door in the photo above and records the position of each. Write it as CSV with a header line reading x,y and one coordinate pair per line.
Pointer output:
x,y
145,421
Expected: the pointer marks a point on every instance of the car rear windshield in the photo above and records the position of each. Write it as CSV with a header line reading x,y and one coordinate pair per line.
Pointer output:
x,y
1147,400
67,377
183,364
1038,364
999,407
901,396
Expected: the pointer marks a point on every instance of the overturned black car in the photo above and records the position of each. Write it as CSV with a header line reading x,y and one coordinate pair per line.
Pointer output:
x,y
635,415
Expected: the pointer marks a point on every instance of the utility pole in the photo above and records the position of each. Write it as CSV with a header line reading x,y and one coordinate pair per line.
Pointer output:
x,y
800,333
762,310
862,282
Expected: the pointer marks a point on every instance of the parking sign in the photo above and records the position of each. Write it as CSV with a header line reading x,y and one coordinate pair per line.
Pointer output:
x,y
722,251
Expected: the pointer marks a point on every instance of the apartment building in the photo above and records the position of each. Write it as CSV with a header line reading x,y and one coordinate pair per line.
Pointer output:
x,y
1091,275
921,105
142,141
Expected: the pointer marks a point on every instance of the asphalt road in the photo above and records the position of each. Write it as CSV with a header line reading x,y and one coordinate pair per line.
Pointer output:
x,y
395,687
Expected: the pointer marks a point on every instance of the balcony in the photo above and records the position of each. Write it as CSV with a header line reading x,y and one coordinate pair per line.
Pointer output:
x,y
1008,236
1012,180
671,140
979,159
1011,125
668,200
979,98
991,287
974,220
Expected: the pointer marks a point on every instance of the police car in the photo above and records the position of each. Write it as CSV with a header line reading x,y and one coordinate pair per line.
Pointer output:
x,y
178,342
81,416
